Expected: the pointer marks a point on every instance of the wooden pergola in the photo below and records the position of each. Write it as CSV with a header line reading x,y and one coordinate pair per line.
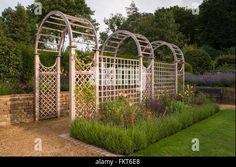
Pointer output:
x,y
107,76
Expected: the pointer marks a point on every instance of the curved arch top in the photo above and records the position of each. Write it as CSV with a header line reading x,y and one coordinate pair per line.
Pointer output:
x,y
54,27
116,39
177,53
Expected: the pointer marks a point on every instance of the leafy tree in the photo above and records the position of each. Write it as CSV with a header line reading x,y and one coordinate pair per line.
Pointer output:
x,y
103,36
166,28
217,23
18,24
10,61
188,23
71,7
132,9
133,17
115,22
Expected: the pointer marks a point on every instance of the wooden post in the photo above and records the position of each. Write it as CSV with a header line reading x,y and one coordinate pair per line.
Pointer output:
x,y
141,77
72,81
36,89
176,78
58,86
97,78
152,73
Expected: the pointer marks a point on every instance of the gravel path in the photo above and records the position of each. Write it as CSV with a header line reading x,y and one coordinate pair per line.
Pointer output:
x,y
227,106
19,140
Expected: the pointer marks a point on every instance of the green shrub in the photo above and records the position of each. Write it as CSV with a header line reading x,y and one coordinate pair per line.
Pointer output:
x,y
231,50
186,118
177,106
225,63
213,53
199,59
27,55
150,129
122,113
138,138
224,59
64,87
200,98
202,112
169,125
188,67
226,67
166,99
48,58
114,139
6,88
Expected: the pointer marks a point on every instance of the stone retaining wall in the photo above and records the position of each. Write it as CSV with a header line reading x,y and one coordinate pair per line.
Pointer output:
x,y
20,108
227,96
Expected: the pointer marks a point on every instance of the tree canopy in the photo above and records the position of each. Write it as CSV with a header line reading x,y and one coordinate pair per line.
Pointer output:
x,y
217,23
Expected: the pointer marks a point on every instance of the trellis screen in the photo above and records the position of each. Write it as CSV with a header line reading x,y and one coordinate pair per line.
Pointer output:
x,y
118,77
164,79
107,76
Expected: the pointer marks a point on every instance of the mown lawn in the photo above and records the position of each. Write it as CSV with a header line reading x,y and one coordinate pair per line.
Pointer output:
x,y
216,135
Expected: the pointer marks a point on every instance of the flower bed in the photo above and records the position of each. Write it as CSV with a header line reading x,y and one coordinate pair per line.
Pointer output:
x,y
125,132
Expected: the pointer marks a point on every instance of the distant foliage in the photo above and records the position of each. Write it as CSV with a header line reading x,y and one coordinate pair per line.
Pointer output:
x,y
225,62
217,23
213,53
199,59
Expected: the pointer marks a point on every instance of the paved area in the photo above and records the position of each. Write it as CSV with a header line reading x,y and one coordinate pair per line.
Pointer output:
x,y
227,106
22,139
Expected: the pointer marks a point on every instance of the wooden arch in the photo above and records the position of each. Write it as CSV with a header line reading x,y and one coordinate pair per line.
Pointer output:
x,y
50,38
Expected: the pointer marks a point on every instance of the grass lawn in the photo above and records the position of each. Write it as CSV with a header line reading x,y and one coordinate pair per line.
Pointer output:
x,y
216,137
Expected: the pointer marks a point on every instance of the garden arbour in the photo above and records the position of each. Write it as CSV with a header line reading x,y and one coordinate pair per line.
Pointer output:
x,y
106,77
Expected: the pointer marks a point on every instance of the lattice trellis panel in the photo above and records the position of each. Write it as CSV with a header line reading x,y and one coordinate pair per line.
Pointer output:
x,y
47,92
85,91
164,78
147,83
118,77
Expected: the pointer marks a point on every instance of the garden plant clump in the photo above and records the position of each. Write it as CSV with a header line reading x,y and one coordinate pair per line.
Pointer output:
x,y
122,127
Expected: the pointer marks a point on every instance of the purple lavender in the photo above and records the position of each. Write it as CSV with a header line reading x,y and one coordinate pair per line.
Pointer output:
x,y
221,79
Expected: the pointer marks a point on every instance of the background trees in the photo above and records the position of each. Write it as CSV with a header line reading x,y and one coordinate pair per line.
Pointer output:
x,y
208,39
212,32
18,27
217,23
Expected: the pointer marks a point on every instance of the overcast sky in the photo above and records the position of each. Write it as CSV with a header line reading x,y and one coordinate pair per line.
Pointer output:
x,y
104,8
